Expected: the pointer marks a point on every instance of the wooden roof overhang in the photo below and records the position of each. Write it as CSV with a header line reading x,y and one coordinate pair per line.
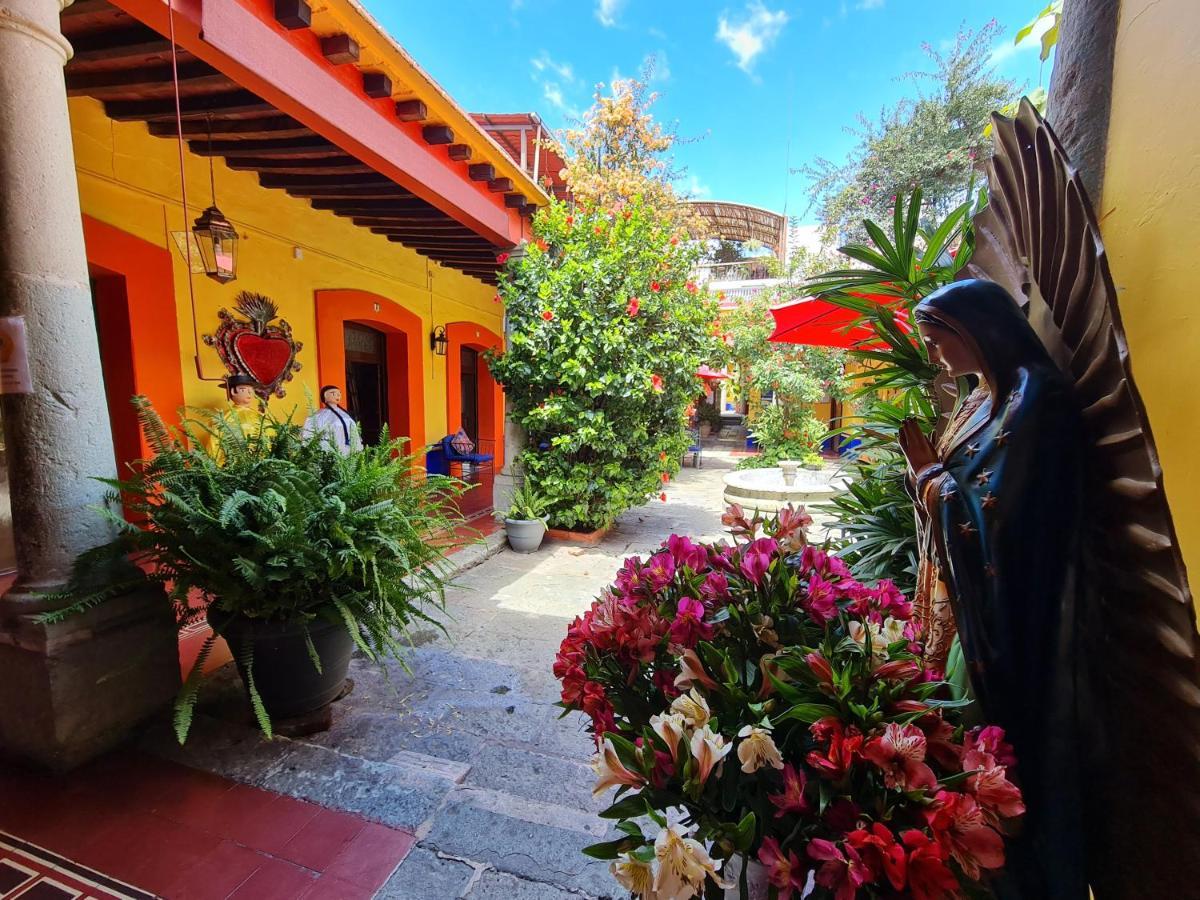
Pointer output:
x,y
522,135
319,103
742,222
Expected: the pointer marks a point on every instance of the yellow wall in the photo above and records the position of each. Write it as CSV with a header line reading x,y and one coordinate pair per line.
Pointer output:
x,y
1150,219
130,180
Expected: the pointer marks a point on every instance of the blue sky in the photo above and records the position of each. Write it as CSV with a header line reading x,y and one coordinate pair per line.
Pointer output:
x,y
755,85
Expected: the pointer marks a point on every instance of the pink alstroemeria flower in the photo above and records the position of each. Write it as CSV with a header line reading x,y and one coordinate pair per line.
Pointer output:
x,y
787,873
843,873
878,848
958,824
929,878
900,753
756,559
792,800
689,628
820,602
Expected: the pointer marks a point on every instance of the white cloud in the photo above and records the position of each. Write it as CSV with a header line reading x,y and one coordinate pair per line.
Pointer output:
x,y
1032,44
543,63
750,34
556,79
607,10
695,189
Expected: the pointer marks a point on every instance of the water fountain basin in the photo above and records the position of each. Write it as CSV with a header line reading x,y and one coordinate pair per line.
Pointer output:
x,y
765,490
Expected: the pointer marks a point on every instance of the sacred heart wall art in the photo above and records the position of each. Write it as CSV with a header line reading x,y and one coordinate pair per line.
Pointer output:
x,y
256,346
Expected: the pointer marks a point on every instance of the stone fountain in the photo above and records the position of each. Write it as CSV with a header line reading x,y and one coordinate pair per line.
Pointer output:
x,y
768,490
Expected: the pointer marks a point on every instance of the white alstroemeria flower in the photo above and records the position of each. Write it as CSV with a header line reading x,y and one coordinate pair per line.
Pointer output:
x,y
635,876
693,707
671,727
758,749
708,749
683,864
879,644
610,771
893,630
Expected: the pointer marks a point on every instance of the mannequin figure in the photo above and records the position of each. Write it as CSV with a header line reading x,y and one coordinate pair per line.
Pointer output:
x,y
335,424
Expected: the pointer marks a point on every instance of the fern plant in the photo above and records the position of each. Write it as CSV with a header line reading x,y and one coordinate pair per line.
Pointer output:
x,y
274,527
526,505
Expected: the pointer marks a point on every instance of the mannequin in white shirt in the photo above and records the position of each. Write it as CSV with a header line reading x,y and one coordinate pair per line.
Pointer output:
x,y
334,423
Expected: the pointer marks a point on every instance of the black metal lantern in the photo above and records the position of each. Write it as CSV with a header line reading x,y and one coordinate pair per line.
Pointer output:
x,y
217,240
438,340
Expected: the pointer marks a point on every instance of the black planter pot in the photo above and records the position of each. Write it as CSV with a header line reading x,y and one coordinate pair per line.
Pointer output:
x,y
284,674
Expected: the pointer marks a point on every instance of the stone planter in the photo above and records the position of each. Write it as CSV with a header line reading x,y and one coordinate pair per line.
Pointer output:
x,y
284,674
525,535
705,429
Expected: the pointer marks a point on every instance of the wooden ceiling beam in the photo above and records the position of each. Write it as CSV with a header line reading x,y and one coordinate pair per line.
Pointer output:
x,y
284,148
232,103
115,45
481,172
350,192
500,185
331,180
367,205
293,14
437,135
226,129
325,167
459,152
515,201
193,74
376,84
81,8
411,111
339,49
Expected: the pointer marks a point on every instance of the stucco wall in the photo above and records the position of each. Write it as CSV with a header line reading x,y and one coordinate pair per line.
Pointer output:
x,y
130,180
1150,219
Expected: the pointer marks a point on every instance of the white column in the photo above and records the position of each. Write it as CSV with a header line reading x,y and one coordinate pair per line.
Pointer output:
x,y
57,438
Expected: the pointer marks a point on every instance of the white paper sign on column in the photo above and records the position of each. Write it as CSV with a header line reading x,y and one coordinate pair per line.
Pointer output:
x,y
14,360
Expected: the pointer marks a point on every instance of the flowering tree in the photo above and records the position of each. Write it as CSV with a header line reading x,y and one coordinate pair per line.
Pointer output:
x,y
784,709
606,334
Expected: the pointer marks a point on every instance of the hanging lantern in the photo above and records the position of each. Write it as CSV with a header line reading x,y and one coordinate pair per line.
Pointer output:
x,y
217,240
438,340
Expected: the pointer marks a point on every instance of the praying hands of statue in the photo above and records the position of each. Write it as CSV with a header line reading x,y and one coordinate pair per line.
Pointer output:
x,y
916,446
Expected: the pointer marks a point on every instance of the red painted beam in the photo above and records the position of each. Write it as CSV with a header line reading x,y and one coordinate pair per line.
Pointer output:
x,y
286,68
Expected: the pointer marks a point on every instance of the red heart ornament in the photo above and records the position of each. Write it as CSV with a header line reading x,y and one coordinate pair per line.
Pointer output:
x,y
265,357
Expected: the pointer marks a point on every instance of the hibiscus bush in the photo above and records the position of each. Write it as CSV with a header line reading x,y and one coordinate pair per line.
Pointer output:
x,y
606,332
752,700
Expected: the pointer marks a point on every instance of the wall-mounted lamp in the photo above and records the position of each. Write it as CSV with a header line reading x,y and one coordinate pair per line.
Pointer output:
x,y
438,340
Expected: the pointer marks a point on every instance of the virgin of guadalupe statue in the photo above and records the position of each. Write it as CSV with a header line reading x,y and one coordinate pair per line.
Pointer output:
x,y
1001,499
1049,534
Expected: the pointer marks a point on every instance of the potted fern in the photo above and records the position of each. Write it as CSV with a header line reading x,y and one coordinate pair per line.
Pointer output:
x,y
524,521
296,554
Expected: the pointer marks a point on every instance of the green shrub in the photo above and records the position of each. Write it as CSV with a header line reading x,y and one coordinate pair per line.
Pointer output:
x,y
606,334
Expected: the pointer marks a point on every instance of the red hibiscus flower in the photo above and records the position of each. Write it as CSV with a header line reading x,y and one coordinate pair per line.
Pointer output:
x,y
787,873
674,240
900,753
597,229
662,456
501,259
547,314
878,848
929,878
570,220
958,824
496,298
655,286
634,305
792,800
663,496
542,245
657,383
691,287
842,872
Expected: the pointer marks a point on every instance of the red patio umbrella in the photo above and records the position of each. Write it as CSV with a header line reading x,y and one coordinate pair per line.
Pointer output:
x,y
710,374
818,323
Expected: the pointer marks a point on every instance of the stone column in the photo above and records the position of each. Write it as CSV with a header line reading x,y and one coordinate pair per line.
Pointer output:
x,y
68,690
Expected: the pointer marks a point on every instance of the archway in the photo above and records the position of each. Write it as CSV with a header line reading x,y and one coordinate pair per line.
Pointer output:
x,y
403,334
489,395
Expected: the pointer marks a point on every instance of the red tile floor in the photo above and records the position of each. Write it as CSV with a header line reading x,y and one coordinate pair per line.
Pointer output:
x,y
184,834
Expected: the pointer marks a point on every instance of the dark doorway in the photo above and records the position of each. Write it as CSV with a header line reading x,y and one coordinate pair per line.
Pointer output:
x,y
110,303
469,378
366,379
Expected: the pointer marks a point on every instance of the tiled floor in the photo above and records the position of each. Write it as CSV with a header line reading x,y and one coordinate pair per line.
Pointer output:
x,y
190,835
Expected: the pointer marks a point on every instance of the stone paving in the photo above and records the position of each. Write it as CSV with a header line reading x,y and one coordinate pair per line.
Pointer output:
x,y
466,748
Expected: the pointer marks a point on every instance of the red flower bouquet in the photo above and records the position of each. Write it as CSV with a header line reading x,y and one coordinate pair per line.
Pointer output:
x,y
753,701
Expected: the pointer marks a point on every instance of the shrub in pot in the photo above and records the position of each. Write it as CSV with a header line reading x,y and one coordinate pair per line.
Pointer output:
x,y
524,521
296,554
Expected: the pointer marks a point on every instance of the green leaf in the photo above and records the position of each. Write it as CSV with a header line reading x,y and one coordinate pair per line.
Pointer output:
x,y
610,849
744,833
806,713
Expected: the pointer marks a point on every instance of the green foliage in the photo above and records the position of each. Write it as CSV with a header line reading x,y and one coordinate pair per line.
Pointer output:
x,y
907,265
709,414
526,504
280,528
933,141
784,431
599,382
1052,15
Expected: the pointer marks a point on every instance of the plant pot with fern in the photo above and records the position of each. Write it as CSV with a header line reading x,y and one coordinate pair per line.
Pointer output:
x,y
295,554
524,520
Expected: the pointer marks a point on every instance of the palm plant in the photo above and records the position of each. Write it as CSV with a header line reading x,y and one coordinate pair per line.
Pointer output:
x,y
897,381
276,528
